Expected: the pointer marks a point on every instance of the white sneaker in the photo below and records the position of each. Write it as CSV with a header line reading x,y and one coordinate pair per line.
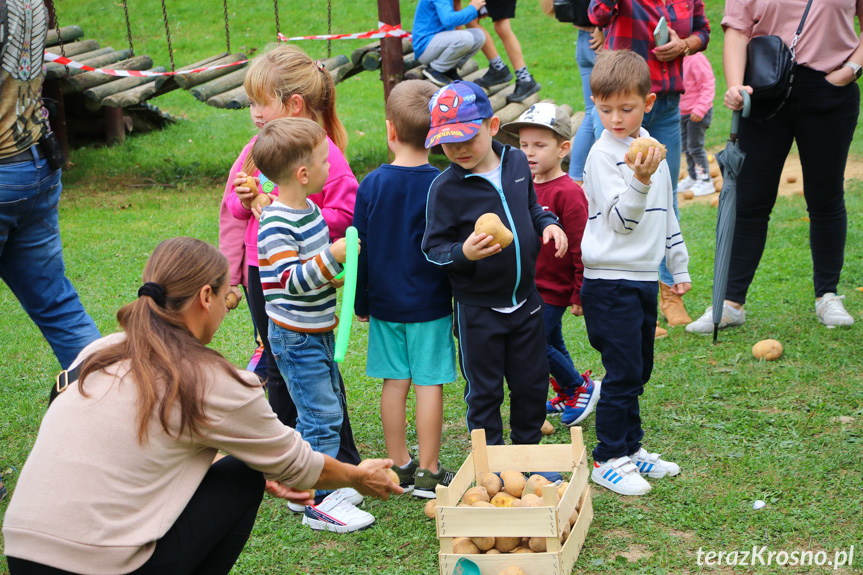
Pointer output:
x,y
336,514
831,311
731,317
651,465
296,507
685,184
703,188
620,475
352,496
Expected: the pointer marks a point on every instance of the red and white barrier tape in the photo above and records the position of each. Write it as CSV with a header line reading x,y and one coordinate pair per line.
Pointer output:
x,y
384,31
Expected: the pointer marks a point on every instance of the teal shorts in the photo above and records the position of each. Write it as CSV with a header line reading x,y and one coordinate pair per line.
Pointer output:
x,y
422,352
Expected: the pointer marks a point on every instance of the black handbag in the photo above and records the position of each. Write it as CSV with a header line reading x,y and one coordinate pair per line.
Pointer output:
x,y
770,66
574,11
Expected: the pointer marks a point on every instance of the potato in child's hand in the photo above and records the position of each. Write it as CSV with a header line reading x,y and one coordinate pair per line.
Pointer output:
x,y
643,145
491,225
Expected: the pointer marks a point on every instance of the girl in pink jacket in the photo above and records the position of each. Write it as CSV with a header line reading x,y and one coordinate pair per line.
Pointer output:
x,y
696,113
282,83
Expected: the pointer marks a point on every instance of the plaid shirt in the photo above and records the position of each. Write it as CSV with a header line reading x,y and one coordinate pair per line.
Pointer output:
x,y
629,25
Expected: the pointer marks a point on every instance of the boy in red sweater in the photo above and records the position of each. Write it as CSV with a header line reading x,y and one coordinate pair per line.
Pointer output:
x,y
544,133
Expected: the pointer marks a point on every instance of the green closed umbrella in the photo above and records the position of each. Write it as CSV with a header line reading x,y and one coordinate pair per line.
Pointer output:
x,y
730,162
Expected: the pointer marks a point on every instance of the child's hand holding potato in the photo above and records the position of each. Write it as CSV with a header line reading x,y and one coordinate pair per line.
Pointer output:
x,y
244,192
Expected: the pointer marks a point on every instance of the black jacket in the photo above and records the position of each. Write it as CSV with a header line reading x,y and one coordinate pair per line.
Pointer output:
x,y
456,199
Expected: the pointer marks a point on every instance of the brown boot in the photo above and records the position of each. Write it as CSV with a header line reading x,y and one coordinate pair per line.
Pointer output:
x,y
671,306
660,332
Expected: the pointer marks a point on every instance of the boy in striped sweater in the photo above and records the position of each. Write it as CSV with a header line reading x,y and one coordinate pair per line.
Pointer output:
x,y
298,268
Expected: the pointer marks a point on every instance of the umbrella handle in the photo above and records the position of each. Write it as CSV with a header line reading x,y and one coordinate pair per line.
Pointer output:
x,y
735,117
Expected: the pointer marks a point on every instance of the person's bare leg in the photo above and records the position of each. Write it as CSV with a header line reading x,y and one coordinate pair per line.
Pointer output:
x,y
394,397
488,49
510,43
429,424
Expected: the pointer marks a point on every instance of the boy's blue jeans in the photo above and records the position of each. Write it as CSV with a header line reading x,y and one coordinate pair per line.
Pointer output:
x,y
620,316
31,257
307,365
559,361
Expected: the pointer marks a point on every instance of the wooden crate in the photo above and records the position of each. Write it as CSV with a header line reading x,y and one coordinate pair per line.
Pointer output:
x,y
547,521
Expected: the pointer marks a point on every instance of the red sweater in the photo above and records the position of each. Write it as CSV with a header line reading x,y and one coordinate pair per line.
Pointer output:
x,y
559,279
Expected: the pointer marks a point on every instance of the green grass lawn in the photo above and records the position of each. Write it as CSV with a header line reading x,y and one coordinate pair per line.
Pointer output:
x,y
789,432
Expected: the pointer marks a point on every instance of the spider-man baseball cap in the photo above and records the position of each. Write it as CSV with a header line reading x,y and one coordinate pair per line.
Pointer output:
x,y
457,111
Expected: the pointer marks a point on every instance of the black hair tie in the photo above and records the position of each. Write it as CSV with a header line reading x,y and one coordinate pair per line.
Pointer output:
x,y
153,290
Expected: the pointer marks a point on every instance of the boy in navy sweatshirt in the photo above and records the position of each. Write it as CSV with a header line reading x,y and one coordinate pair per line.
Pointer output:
x,y
406,300
498,312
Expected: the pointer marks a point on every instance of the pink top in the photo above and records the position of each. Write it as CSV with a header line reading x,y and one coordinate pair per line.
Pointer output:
x,y
828,36
699,85
238,227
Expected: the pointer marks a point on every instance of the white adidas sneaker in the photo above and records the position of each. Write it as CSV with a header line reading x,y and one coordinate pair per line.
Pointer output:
x,y
619,475
651,465
831,311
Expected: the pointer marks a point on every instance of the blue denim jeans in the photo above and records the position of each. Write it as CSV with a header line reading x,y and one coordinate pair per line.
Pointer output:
x,y
584,137
31,257
559,361
306,363
663,123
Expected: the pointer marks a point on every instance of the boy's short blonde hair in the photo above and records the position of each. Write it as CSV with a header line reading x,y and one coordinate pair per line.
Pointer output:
x,y
285,144
408,110
619,72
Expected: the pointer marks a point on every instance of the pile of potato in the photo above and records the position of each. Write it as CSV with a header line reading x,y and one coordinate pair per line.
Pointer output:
x,y
511,489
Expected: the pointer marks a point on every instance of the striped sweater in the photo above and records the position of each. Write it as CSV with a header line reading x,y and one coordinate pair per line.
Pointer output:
x,y
296,268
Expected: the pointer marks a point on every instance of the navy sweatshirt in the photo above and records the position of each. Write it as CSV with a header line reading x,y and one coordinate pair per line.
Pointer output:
x,y
455,200
395,282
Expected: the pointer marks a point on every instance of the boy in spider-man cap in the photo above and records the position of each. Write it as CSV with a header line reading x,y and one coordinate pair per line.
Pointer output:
x,y
498,312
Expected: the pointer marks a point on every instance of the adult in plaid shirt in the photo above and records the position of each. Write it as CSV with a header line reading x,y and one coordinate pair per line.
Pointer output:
x,y
629,25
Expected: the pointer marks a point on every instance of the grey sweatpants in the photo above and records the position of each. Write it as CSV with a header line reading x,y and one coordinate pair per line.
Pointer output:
x,y
448,50
692,142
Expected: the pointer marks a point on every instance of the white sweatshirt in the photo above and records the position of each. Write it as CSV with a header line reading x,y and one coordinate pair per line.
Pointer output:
x,y
630,226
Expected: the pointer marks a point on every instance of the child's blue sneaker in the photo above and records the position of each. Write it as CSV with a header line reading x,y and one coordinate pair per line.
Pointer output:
x,y
557,404
582,402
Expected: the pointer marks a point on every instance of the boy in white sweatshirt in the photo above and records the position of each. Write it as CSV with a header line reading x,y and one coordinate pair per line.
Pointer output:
x,y
631,226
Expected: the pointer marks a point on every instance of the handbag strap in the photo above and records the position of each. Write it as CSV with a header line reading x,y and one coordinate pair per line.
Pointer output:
x,y
799,30
64,379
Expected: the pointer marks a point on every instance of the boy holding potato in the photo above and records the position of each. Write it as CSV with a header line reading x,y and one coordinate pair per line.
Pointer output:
x,y
498,312
631,227
544,132
406,300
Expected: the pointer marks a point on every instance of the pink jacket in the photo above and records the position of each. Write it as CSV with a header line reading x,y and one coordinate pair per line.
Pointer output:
x,y
699,85
238,229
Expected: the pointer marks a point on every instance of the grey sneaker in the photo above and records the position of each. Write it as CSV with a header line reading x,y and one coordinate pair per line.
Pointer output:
x,y
406,476
494,77
730,318
831,311
425,481
523,90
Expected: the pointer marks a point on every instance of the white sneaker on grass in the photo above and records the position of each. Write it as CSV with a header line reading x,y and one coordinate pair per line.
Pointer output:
x,y
731,317
619,475
651,465
831,311
685,184
336,514
350,494
703,188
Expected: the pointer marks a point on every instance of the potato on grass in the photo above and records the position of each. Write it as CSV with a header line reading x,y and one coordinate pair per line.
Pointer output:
x,y
475,494
430,507
483,543
506,544
464,546
547,428
504,499
491,482
768,349
513,482
688,194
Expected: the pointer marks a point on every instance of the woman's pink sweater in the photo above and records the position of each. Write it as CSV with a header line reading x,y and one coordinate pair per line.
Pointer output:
x,y
238,228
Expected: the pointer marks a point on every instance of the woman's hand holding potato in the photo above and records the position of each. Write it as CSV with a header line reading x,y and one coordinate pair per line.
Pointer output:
x,y
556,233
476,247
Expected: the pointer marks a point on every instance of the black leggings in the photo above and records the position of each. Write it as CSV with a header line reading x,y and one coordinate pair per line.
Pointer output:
x,y
821,117
209,534
277,389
